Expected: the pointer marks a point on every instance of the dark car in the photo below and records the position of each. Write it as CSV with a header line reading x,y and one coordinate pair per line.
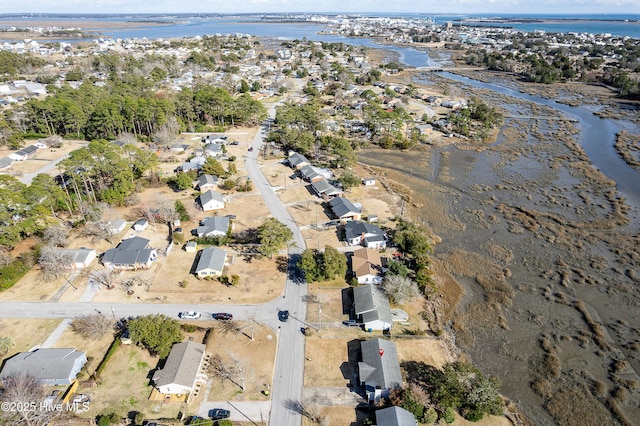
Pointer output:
x,y
250,148
283,316
219,414
222,316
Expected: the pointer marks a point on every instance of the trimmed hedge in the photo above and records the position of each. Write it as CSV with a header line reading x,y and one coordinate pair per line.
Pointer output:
x,y
112,349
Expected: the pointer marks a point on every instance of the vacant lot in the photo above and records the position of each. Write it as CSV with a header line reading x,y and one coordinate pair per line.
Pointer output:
x,y
26,333
43,157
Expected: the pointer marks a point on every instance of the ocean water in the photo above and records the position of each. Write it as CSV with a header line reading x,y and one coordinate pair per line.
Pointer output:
x,y
189,25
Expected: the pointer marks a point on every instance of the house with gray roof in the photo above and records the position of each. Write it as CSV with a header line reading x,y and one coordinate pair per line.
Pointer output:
x,y
182,371
379,370
366,234
195,163
5,163
116,226
24,153
49,366
311,173
213,150
211,200
372,307
77,258
211,262
324,189
132,253
344,210
296,160
214,226
395,416
206,182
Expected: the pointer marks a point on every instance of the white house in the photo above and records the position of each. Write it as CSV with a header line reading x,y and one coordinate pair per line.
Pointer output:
x,y
116,226
141,225
372,308
182,370
366,266
78,258
368,181
211,262
211,200
365,234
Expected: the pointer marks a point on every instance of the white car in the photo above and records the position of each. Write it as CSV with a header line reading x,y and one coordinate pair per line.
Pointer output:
x,y
189,315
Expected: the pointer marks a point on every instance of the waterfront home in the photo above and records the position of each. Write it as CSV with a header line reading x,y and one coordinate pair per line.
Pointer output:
x,y
366,266
365,234
379,370
371,307
344,210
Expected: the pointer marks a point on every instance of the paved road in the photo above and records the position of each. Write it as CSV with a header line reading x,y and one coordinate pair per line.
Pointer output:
x,y
27,178
289,368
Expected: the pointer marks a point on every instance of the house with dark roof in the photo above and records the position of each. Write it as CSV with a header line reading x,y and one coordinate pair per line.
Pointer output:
x,y
206,182
395,416
365,234
182,372
214,226
211,200
140,224
25,153
296,161
311,173
5,163
344,210
379,370
132,253
324,189
211,262
372,308
49,366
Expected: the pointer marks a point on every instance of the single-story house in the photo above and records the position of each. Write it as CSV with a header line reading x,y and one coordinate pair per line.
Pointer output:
x,y
344,210
395,416
324,189
211,262
116,226
195,163
24,153
365,234
50,366
132,253
78,258
211,200
215,226
311,173
297,161
182,371
179,147
5,163
372,307
206,182
366,266
213,150
209,139
379,370
141,224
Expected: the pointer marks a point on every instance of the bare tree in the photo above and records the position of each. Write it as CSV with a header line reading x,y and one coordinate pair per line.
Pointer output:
x,y
23,396
106,277
96,231
166,134
56,236
52,262
92,326
229,327
5,257
310,412
233,370
400,289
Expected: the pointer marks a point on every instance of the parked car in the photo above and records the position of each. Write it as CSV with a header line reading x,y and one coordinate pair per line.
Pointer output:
x,y
222,316
219,414
283,316
250,148
189,315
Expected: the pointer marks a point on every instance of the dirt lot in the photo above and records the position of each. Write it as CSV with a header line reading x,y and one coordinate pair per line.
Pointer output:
x,y
257,358
42,158
26,333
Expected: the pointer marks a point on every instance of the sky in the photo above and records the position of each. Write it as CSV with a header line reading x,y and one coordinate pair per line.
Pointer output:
x,y
270,6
